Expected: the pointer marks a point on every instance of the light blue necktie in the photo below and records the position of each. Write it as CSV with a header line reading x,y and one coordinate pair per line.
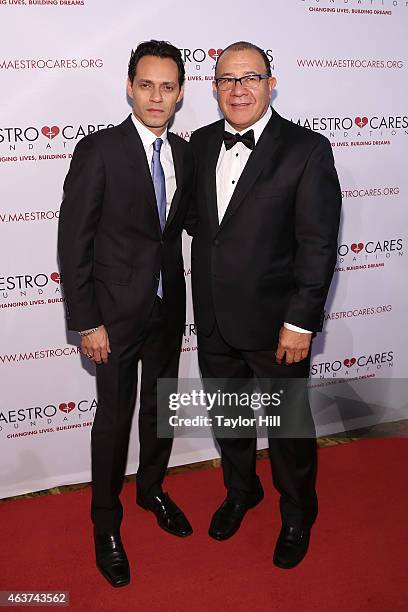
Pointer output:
x,y
159,183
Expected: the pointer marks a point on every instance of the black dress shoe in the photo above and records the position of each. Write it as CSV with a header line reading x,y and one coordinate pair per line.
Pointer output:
x,y
168,514
291,546
227,519
111,559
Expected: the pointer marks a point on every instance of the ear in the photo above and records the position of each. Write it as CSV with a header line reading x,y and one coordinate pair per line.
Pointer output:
x,y
214,86
129,89
272,84
181,94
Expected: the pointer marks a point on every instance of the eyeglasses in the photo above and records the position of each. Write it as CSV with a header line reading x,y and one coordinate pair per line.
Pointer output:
x,y
249,81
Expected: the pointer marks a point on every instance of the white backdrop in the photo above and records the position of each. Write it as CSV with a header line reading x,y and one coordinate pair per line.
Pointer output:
x,y
342,70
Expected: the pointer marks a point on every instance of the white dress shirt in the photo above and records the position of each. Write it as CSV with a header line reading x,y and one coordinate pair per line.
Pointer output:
x,y
166,158
230,166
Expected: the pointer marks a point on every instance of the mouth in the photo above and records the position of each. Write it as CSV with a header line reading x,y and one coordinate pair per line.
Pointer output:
x,y
155,111
240,105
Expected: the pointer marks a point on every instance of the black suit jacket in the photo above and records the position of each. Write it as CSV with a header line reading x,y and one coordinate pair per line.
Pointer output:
x,y
110,243
272,257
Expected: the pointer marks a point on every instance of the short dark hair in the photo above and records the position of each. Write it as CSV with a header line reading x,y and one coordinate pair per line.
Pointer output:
x,y
242,45
158,48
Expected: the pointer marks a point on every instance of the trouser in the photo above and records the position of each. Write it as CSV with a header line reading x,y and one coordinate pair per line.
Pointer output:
x,y
158,349
293,459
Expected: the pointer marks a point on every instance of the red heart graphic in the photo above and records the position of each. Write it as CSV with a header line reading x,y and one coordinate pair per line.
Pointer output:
x,y
361,121
50,132
349,362
357,247
55,277
214,53
67,408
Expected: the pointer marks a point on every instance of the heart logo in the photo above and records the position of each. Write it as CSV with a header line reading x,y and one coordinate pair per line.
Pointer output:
x,y
349,362
50,132
67,408
361,121
357,247
55,277
214,53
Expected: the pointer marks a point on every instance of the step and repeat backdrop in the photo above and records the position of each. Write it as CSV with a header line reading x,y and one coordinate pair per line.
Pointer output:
x,y
342,70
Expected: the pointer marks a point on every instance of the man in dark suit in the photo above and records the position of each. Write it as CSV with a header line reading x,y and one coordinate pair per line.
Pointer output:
x,y
125,200
265,230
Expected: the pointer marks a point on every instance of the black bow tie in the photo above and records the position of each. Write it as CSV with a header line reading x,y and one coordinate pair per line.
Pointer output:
x,y
247,139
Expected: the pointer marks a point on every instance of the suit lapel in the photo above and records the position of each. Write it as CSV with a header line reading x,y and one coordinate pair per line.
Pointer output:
x,y
213,152
179,171
265,152
138,161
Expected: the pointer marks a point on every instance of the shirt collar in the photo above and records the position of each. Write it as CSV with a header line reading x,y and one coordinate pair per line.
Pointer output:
x,y
258,127
145,134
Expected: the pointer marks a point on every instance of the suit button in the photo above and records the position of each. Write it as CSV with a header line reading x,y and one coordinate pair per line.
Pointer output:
x,y
162,242
216,242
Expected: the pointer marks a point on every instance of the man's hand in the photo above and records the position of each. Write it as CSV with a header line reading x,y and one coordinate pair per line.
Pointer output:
x,y
96,345
294,344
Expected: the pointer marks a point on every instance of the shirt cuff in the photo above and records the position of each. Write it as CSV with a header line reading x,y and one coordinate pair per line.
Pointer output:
x,y
295,328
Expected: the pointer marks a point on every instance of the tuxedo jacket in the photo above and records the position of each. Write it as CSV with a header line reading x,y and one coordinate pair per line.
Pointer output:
x,y
272,257
110,243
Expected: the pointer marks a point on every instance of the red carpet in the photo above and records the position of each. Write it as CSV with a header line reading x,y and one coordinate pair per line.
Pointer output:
x,y
358,557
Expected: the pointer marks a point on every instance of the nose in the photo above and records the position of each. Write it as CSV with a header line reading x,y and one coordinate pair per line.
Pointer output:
x,y
238,89
156,95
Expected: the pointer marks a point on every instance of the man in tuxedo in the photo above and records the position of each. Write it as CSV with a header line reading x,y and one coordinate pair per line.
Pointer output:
x,y
264,228
125,199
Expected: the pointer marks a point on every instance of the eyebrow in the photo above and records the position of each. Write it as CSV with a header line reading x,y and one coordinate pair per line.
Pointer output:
x,y
231,74
161,82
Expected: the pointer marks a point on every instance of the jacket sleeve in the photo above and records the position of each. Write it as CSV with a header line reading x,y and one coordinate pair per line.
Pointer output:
x,y
78,221
317,219
191,217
